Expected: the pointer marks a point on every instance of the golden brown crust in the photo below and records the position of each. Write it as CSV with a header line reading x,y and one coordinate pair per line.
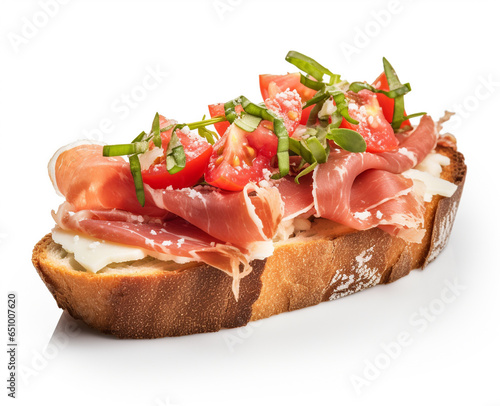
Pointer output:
x,y
155,304
298,274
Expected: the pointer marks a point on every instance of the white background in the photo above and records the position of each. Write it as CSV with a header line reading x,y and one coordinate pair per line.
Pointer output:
x,y
66,76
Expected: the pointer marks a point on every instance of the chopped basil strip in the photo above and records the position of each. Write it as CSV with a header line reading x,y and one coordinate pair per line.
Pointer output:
x,y
342,108
318,97
230,110
317,150
309,169
176,158
210,136
283,146
162,130
313,115
256,110
310,66
414,115
338,97
203,123
135,168
140,137
248,122
400,91
300,148
125,149
311,84
346,139
155,130
399,103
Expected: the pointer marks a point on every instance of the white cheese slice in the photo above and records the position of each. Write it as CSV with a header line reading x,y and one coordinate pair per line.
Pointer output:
x,y
433,184
433,163
94,254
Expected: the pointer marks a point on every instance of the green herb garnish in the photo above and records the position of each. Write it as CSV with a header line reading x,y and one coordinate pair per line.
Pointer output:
x,y
135,168
346,139
175,156
311,67
155,130
399,103
313,148
263,113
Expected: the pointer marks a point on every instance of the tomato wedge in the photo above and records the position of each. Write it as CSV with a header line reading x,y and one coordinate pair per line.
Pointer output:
x,y
239,157
289,81
287,105
386,103
197,151
373,126
270,85
218,110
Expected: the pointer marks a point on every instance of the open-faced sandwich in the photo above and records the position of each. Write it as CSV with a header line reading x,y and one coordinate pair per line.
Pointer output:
x,y
323,189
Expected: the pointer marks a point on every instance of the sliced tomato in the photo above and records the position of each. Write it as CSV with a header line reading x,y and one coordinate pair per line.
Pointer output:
x,y
197,151
263,139
373,126
282,82
218,110
270,85
287,105
237,159
240,157
386,103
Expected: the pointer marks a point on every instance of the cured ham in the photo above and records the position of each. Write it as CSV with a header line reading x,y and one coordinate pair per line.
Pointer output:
x,y
174,239
240,218
89,180
222,229
364,190
297,197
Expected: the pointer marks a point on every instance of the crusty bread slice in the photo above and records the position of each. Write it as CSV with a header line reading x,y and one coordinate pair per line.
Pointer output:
x,y
149,299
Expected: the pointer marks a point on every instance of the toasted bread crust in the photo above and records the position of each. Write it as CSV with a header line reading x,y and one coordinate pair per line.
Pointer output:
x,y
299,274
148,305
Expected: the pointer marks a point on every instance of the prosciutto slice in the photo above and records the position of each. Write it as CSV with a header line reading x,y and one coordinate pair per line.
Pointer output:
x,y
223,229
297,197
174,239
365,190
240,218
89,180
